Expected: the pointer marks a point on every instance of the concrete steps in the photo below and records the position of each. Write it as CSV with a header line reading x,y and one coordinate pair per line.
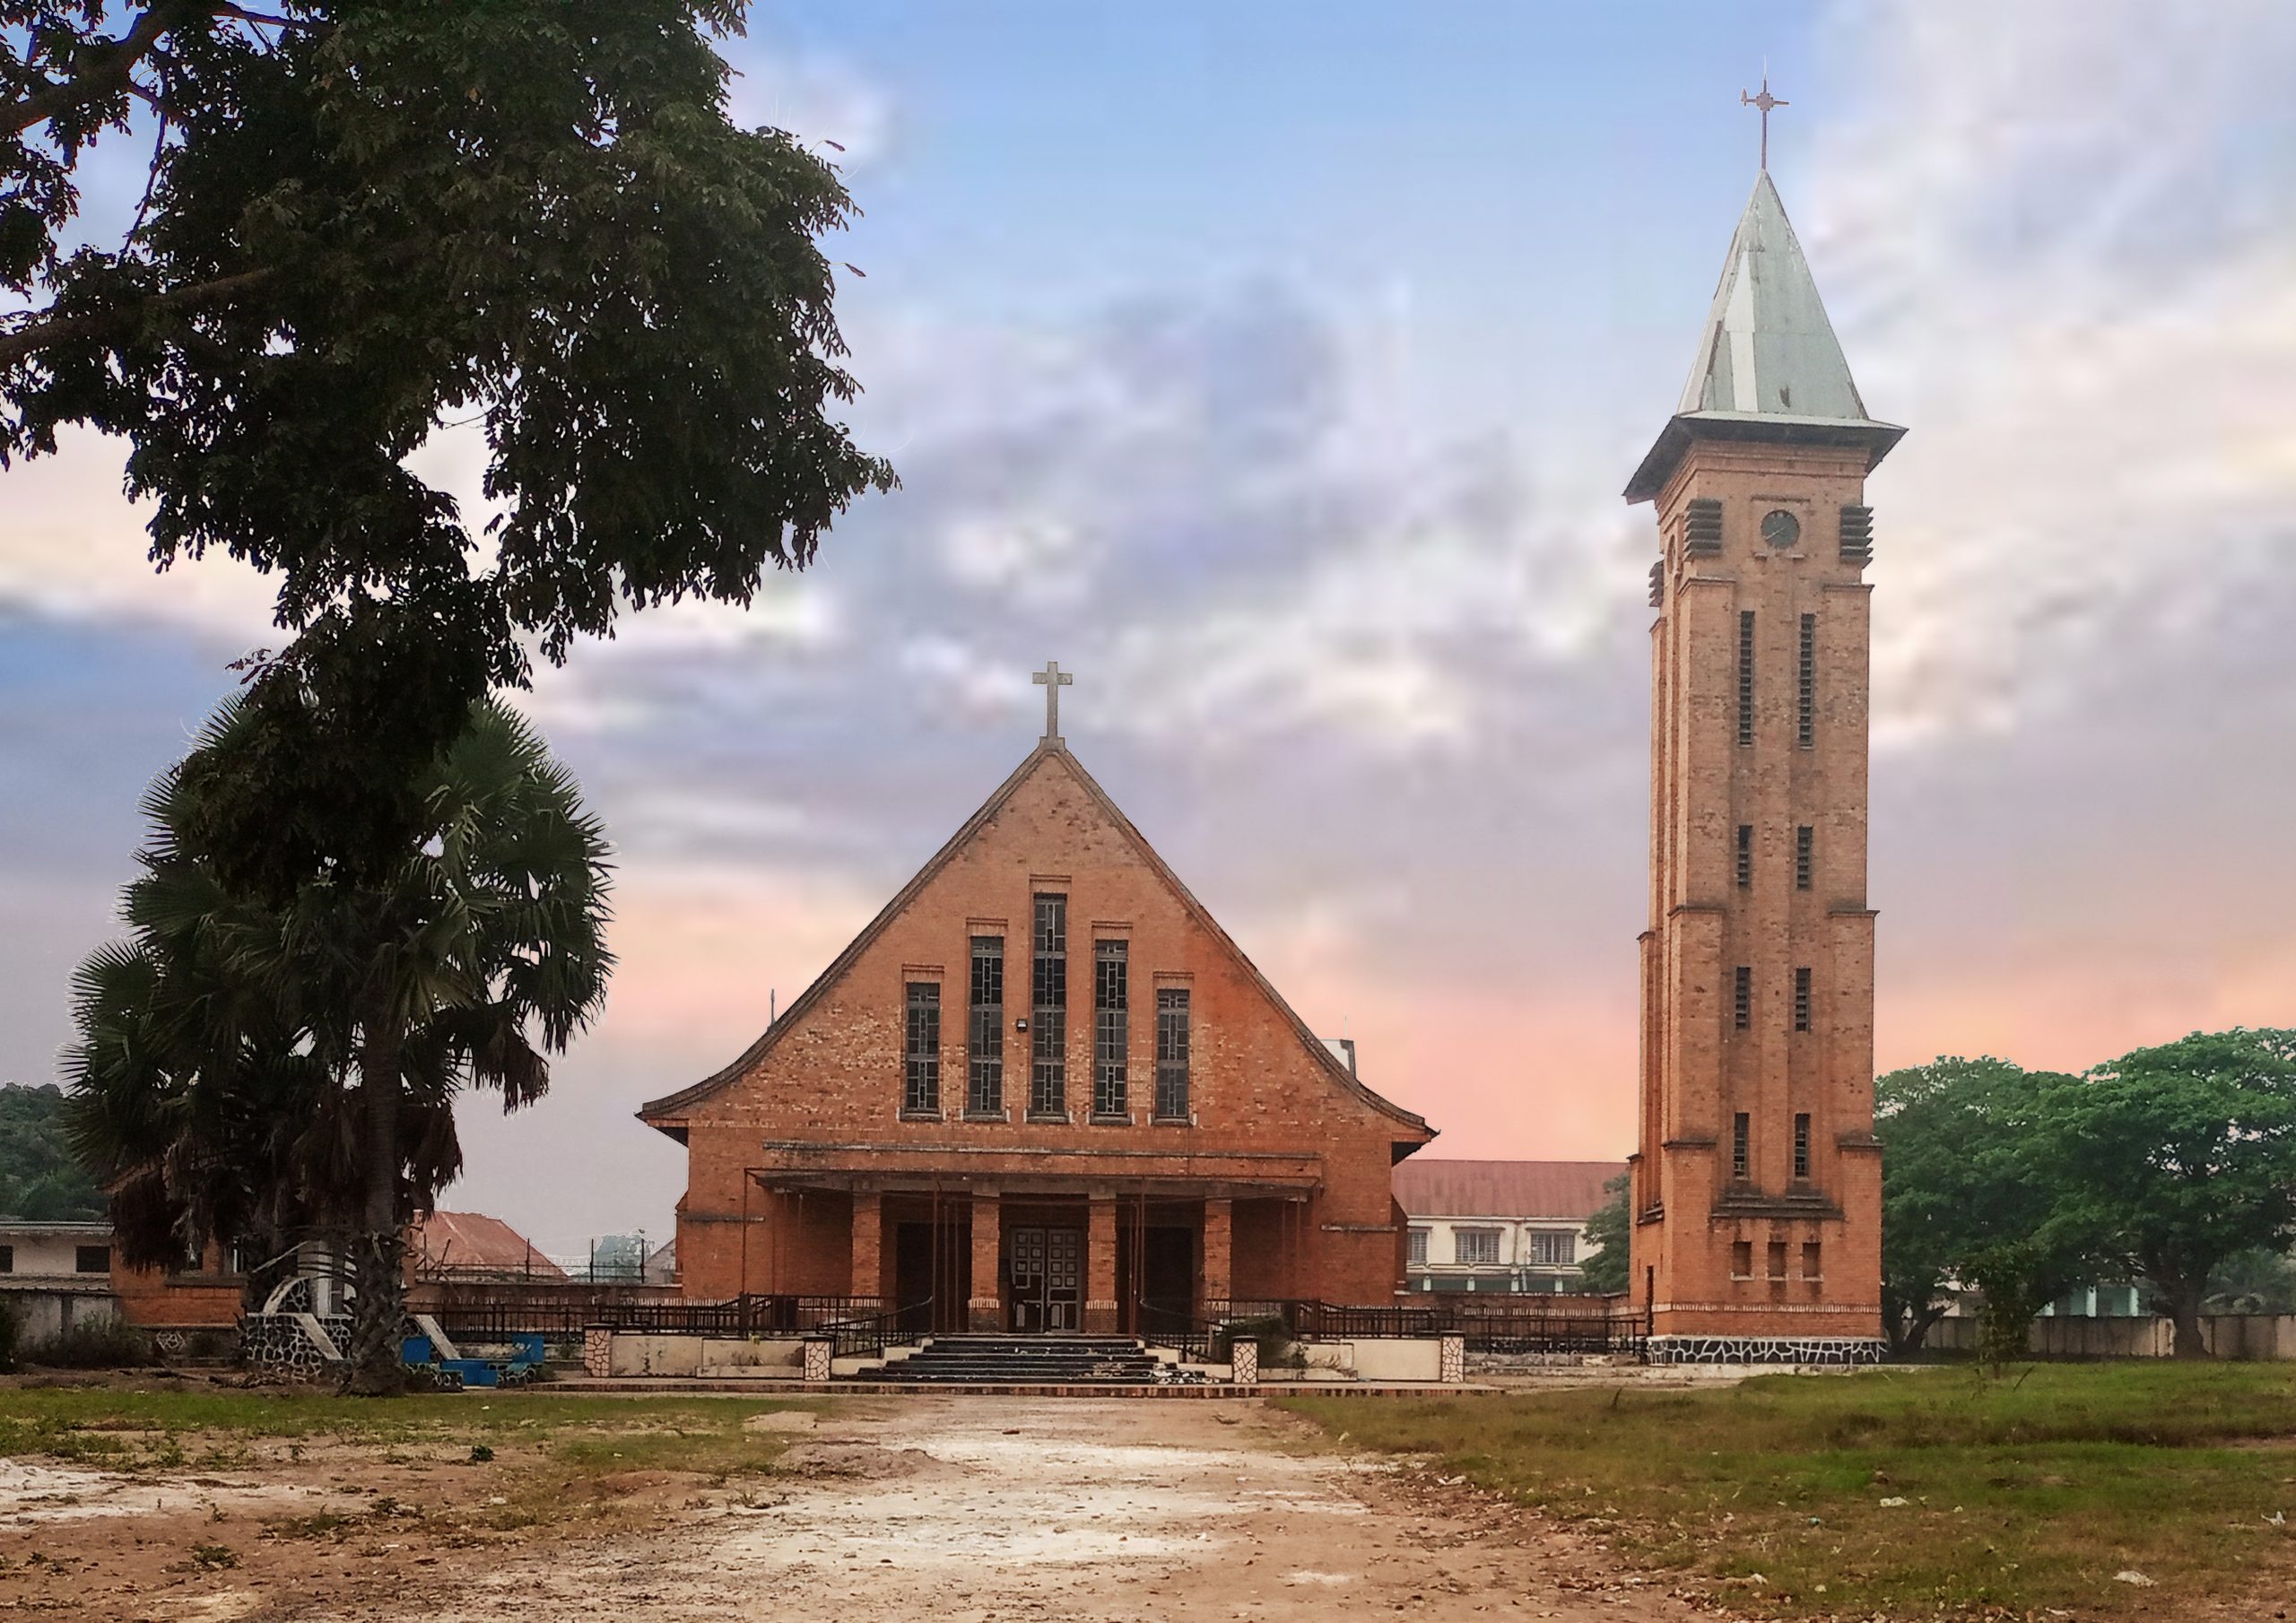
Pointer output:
x,y
1051,1360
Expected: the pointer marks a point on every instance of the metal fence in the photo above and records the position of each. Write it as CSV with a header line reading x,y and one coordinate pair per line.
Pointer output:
x,y
570,1313
1573,1325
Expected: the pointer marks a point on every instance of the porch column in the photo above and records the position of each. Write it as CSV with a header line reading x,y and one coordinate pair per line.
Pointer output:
x,y
1099,1268
868,1246
986,1310
1219,1250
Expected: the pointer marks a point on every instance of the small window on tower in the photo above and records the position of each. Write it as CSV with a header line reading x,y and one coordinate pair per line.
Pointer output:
x,y
1778,1259
1801,1000
1741,1259
1742,998
1810,1260
1745,857
1746,676
1804,842
1741,1160
1802,1144
1808,695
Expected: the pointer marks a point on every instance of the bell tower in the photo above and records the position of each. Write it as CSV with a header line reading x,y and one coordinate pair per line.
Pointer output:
x,y
1757,1180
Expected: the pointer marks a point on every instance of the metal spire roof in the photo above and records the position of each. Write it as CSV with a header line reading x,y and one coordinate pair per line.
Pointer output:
x,y
1768,359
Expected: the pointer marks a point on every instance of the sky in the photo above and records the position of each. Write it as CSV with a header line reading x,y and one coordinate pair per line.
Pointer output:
x,y
1276,369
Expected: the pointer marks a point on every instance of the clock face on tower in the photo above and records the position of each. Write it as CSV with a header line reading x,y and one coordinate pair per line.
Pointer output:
x,y
1781,528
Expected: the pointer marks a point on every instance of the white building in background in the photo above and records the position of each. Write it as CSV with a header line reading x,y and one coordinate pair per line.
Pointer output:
x,y
1499,1226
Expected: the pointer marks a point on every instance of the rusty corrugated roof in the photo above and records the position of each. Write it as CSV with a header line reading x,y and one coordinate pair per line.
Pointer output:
x,y
471,1240
1571,1190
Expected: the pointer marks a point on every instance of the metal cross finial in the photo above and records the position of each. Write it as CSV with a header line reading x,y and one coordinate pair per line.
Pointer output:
x,y
1765,101
1052,679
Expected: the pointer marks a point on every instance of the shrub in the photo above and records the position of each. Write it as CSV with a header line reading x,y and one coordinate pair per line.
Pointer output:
x,y
12,1330
93,1344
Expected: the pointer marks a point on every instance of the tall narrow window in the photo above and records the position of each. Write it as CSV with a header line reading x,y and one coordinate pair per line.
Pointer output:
x,y
1741,1259
1805,845
1808,685
985,1036
1112,1028
1746,676
1809,1269
1745,857
1049,1010
1778,1259
1742,1158
921,1094
1801,1000
1743,999
1802,1144
1172,1054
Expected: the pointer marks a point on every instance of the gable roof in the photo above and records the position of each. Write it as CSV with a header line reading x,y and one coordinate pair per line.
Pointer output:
x,y
1050,752
1572,1190
1767,361
473,1240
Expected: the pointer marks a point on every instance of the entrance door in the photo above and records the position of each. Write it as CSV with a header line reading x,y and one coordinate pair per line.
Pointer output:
x,y
1047,1279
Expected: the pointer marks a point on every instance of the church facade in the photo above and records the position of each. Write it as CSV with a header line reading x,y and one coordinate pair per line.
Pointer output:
x,y
1042,1091
1757,1181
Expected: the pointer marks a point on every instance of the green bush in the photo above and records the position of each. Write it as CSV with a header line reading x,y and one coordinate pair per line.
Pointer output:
x,y
12,1330
93,1344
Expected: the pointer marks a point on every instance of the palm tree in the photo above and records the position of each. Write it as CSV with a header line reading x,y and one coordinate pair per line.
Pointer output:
x,y
266,1067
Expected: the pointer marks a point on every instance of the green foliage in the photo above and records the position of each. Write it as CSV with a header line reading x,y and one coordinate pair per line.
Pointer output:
x,y
361,221
2253,1281
1611,1229
11,1332
104,1343
41,1179
2012,1497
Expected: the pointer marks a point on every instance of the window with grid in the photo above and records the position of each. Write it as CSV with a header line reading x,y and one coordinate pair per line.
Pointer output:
x,y
1172,1053
985,1036
921,1095
1741,998
1745,857
1048,1010
1474,1245
1417,1252
1554,1247
1801,1000
1741,1146
1802,1144
1805,843
1808,683
1746,676
1112,1027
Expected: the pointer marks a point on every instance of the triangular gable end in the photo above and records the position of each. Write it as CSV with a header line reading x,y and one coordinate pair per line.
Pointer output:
x,y
662,1114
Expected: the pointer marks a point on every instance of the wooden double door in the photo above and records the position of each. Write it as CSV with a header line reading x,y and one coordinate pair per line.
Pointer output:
x,y
1048,1280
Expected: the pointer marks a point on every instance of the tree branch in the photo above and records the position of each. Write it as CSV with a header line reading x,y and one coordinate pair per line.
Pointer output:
x,y
115,59
39,335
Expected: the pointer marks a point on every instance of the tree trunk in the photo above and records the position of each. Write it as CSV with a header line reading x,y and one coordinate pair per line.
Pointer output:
x,y
1917,1328
379,1310
2184,1312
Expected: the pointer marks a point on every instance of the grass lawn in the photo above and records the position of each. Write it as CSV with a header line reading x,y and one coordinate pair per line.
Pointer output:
x,y
1907,1492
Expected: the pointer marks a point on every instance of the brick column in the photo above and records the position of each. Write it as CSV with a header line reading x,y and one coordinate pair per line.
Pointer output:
x,y
1219,1249
986,1310
1099,1268
868,1247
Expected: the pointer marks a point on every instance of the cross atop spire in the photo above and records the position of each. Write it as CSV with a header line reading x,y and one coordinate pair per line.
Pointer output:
x,y
1052,679
1763,100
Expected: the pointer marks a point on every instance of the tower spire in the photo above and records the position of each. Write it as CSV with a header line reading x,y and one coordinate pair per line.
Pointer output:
x,y
1764,100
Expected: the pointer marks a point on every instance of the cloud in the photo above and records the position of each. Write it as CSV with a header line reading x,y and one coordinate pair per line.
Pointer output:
x,y
818,99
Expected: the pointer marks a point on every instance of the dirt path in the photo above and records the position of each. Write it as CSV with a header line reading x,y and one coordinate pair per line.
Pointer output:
x,y
974,1509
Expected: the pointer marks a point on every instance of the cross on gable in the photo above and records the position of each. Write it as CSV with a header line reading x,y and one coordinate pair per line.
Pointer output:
x,y
1052,679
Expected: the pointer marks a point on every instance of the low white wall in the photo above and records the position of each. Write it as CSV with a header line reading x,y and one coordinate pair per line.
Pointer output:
x,y
781,1360
45,1312
655,1355
2067,1336
1382,1359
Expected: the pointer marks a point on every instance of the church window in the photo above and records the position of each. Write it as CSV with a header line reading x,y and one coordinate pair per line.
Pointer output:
x,y
1742,1150
984,1089
1112,1028
1745,857
1809,682
1172,1053
1742,998
922,1094
1474,1245
1049,1010
1741,1259
1810,1255
1802,1000
1553,1247
1802,1144
1778,1259
1746,676
1418,1252
1804,842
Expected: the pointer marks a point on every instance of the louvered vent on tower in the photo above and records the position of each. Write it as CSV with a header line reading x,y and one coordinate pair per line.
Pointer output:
x,y
1702,527
1659,583
1857,535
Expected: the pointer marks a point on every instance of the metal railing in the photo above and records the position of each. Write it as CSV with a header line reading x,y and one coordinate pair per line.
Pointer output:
x,y
1487,1327
868,1336
570,1314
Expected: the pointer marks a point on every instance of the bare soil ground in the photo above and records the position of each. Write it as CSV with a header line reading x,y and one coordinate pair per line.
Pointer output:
x,y
968,1508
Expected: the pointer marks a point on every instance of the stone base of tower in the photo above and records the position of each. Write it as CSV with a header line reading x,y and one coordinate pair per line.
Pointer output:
x,y
1808,1351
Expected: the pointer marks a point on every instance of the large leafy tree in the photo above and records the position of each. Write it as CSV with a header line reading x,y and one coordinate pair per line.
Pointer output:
x,y
248,1065
1606,1272
2181,1157
365,218
1969,1194
39,1179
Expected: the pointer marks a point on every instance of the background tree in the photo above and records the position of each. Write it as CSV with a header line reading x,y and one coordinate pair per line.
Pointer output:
x,y
2261,1281
290,1067
41,1179
1609,1229
361,221
2182,1156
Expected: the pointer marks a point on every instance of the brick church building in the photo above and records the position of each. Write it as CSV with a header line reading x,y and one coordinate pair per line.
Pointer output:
x,y
1042,1091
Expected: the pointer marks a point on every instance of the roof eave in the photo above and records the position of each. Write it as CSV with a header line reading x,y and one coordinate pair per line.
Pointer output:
x,y
1658,466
